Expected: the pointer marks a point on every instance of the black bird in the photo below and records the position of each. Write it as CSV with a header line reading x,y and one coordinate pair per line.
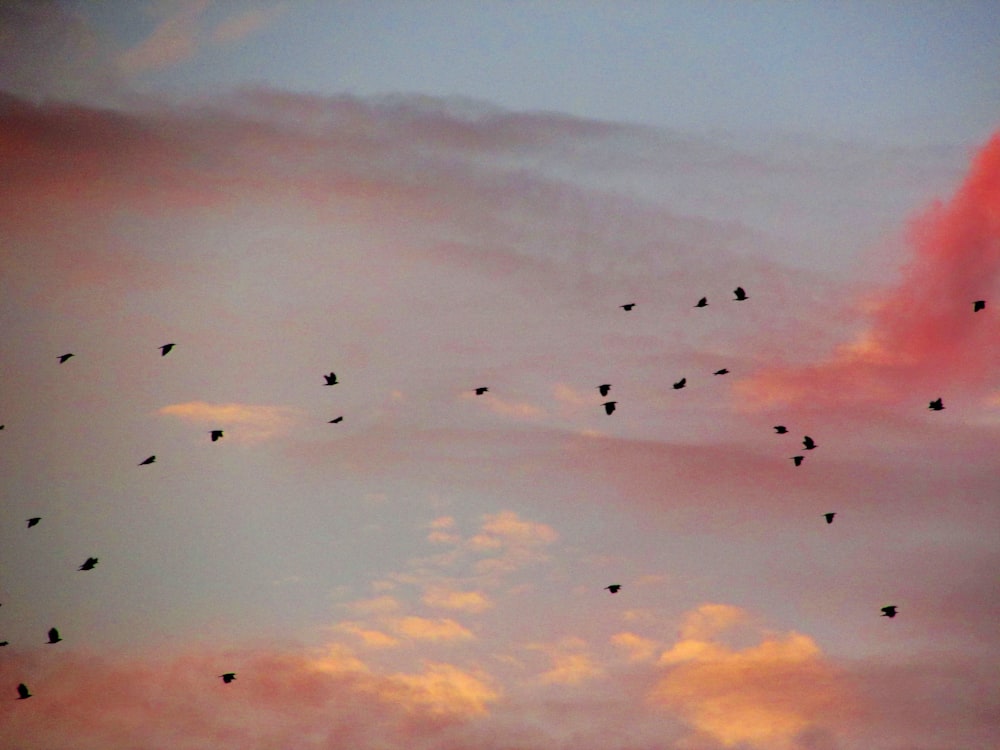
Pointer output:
x,y
22,692
829,517
331,379
216,434
4,643
936,405
613,588
338,420
889,611
481,390
165,349
609,406
627,307
979,304
798,460
2,426
723,371
54,636
604,389
64,357
808,443
703,302
780,429
148,461
680,384
228,677
740,294
88,564
34,521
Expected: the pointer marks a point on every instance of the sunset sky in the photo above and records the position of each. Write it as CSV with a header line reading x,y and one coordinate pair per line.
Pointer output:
x,y
430,197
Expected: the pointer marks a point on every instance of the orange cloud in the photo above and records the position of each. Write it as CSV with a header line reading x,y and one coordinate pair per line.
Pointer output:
x,y
638,648
571,664
242,25
442,689
241,422
422,628
472,602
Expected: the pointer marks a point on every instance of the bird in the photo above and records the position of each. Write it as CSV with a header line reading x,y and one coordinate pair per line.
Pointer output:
x,y
609,406
165,349
64,357
808,443
936,405
54,636
22,692
627,307
604,388
338,420
4,643
88,564
2,426
740,294
331,379
979,304
228,677
889,611
481,390
829,517
613,588
798,460
780,429
680,384
723,371
34,521
703,302
216,434
148,461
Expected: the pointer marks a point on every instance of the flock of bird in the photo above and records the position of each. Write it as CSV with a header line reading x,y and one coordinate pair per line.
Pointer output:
x,y
740,295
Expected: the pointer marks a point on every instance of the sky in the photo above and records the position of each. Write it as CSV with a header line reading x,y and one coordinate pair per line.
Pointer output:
x,y
430,197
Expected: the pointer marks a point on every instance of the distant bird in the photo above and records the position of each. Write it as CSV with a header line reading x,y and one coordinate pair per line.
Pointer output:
x,y
609,407
4,643
2,426
338,420
889,611
703,302
723,371
481,390
604,389
627,307
936,405
22,692
798,460
34,521
54,636
228,677
613,588
64,357
740,294
148,461
780,429
808,443
680,384
331,379
979,304
165,349
216,434
829,517
88,564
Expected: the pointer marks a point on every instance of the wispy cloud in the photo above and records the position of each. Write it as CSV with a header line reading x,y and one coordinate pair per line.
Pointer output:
x,y
240,422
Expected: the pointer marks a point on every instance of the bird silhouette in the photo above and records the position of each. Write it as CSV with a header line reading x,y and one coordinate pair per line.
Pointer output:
x,y
2,426
936,405
54,636
740,294
604,389
609,406
4,643
22,692
228,677
34,521
148,461
88,564
979,304
889,611
481,390
331,379
165,349
338,420
680,384
808,443
780,429
216,434
829,517
64,357
798,460
723,371
627,307
703,302
613,588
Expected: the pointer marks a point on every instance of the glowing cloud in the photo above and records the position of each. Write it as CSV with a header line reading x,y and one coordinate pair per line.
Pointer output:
x,y
422,628
243,422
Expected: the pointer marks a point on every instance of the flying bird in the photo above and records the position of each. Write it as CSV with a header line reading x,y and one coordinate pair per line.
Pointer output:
x,y
703,302
4,643
64,357
216,434
22,692
979,304
34,521
148,461
780,429
889,611
627,307
604,389
165,349
798,460
2,426
609,406
88,564
680,384
331,379
829,517
613,588
808,443
338,420
228,677
481,390
936,405
54,636
723,371
740,294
